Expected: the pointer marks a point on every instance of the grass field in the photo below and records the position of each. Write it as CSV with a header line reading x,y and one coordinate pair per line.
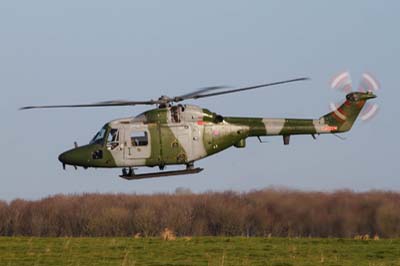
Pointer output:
x,y
20,251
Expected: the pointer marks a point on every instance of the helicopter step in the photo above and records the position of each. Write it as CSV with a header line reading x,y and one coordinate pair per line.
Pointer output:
x,y
130,175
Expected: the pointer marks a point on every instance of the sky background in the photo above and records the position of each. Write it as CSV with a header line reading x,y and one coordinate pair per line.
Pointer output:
x,y
76,51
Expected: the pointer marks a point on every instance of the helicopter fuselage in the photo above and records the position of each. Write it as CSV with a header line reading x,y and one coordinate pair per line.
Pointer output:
x,y
164,136
183,134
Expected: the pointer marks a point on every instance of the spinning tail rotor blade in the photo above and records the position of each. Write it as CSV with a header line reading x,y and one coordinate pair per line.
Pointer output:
x,y
369,83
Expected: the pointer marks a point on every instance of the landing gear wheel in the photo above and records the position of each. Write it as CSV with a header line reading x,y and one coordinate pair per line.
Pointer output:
x,y
127,172
190,166
124,172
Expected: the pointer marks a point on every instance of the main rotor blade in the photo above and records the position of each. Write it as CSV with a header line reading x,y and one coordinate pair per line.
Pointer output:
x,y
197,92
99,104
193,95
247,88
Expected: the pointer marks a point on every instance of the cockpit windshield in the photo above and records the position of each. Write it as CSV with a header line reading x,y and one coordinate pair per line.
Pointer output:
x,y
99,137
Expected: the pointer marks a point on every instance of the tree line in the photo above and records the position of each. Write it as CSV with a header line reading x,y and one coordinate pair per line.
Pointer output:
x,y
268,212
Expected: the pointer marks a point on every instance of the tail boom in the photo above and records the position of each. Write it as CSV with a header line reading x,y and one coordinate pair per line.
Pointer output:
x,y
337,121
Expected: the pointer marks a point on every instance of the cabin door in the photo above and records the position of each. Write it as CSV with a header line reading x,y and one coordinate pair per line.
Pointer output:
x,y
138,142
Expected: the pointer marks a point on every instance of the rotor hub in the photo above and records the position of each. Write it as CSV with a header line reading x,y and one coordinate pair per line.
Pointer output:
x,y
165,99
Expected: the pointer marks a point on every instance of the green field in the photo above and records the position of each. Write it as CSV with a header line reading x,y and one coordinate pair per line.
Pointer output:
x,y
20,251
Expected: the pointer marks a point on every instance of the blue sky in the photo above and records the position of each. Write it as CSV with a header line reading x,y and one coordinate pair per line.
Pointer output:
x,y
86,51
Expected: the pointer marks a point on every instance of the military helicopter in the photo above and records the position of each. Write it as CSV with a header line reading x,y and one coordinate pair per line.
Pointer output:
x,y
180,134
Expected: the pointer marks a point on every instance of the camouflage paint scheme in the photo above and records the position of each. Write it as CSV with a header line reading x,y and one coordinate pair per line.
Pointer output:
x,y
183,134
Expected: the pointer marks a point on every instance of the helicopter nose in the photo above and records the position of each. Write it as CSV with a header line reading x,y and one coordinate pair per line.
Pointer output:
x,y
71,157
80,156
66,157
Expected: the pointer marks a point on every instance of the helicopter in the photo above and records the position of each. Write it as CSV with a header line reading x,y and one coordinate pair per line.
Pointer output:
x,y
180,134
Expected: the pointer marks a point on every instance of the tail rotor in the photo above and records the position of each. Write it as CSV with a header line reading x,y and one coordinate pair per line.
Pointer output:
x,y
342,82
369,84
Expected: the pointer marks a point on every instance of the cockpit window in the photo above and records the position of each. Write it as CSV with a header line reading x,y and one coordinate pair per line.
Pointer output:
x,y
113,138
113,135
99,137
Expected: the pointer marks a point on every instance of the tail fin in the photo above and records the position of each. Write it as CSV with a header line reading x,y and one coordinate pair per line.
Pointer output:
x,y
343,118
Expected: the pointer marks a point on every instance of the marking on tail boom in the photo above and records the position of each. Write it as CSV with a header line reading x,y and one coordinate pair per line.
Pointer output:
x,y
335,109
274,126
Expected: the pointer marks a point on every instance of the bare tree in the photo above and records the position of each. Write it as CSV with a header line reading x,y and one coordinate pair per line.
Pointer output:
x,y
276,212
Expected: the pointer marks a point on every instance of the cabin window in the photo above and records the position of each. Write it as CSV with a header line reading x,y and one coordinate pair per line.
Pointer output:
x,y
139,138
176,114
113,138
